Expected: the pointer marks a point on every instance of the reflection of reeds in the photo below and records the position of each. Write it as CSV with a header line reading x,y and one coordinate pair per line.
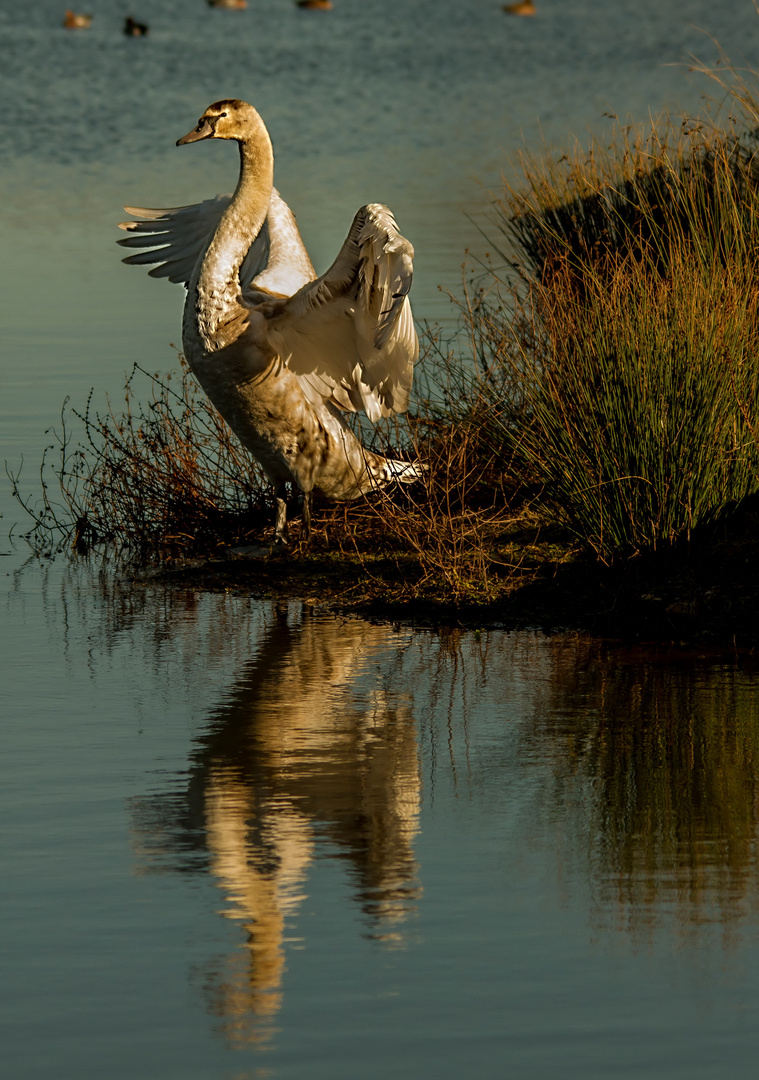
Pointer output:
x,y
640,768
667,753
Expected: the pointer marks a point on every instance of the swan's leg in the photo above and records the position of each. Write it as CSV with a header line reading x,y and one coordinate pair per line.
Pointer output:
x,y
306,517
280,528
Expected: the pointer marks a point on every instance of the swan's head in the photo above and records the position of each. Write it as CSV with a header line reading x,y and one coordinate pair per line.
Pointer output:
x,y
230,119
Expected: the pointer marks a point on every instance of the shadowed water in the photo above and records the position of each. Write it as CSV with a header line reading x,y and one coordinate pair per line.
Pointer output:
x,y
279,840
249,840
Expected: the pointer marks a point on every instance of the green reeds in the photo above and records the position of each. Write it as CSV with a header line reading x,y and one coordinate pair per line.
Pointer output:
x,y
629,326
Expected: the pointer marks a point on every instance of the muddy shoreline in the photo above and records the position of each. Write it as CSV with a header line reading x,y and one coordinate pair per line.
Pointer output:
x,y
709,599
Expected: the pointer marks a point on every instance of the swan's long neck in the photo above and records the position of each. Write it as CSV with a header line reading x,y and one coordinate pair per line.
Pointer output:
x,y
214,293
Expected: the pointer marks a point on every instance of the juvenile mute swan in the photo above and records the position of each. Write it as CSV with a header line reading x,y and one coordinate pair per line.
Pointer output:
x,y
280,352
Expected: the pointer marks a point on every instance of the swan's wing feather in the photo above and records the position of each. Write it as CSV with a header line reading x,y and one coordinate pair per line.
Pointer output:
x,y
350,334
174,239
287,266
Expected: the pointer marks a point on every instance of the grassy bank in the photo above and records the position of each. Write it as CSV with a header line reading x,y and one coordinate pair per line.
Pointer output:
x,y
591,435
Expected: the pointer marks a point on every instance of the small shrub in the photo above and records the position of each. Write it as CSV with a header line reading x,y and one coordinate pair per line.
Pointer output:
x,y
157,479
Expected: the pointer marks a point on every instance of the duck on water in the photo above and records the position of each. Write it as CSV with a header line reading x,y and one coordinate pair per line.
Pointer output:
x,y
280,352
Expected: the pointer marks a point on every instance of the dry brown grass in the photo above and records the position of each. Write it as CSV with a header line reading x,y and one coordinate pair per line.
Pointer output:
x,y
158,478
163,478
455,520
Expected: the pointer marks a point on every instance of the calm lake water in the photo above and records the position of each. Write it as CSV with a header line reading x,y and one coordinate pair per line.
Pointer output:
x,y
246,840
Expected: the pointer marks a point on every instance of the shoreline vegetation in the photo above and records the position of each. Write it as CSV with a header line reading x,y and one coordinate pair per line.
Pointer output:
x,y
591,433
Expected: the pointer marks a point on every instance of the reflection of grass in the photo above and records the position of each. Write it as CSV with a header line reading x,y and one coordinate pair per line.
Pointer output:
x,y
671,761
603,400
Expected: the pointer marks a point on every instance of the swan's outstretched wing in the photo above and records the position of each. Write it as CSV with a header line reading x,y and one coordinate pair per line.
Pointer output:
x,y
176,238
350,334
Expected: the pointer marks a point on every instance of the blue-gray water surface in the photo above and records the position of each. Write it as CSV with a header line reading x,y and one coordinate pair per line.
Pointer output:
x,y
249,840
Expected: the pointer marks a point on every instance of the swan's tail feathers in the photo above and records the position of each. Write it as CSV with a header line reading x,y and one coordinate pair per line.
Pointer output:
x,y
389,470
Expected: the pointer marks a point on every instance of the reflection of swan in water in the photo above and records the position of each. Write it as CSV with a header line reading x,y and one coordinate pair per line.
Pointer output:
x,y
308,745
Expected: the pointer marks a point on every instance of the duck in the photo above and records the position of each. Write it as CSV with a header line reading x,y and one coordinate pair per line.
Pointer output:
x,y
230,5
74,21
315,5
283,354
132,28
521,7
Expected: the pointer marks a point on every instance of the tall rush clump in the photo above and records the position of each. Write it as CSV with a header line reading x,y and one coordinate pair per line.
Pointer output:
x,y
638,381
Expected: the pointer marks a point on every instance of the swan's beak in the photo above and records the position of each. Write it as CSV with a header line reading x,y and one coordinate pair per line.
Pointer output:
x,y
204,130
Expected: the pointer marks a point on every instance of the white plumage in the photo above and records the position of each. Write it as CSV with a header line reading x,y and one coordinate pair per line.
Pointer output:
x,y
279,351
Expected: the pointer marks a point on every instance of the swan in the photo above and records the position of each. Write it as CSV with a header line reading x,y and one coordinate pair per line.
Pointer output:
x,y
280,352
